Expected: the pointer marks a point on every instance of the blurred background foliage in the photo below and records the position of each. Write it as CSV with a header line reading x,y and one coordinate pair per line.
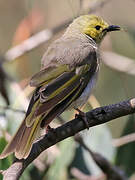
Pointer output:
x,y
21,20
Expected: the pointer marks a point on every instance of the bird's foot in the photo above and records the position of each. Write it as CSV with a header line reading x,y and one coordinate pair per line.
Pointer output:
x,y
49,129
82,115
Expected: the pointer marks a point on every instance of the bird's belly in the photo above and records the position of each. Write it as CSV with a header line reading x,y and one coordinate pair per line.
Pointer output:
x,y
86,93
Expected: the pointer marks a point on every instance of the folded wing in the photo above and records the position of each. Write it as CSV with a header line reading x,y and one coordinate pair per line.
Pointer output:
x,y
56,89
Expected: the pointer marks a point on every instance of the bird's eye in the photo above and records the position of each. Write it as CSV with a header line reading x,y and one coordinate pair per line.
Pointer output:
x,y
97,27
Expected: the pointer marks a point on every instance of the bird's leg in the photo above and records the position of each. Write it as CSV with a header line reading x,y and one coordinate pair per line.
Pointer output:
x,y
48,129
83,116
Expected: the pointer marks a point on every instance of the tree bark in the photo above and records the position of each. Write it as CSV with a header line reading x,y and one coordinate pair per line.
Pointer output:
x,y
94,117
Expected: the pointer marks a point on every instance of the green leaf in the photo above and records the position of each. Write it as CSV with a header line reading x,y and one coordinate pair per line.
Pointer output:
x,y
58,170
3,143
4,163
125,154
98,139
79,162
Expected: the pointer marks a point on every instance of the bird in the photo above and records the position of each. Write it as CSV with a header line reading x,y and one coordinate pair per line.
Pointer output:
x,y
68,74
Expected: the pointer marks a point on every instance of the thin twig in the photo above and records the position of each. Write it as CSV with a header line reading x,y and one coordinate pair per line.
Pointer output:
x,y
95,117
81,176
119,63
12,109
112,172
45,35
124,140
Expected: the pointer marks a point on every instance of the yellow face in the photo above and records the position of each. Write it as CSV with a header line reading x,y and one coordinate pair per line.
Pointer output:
x,y
94,26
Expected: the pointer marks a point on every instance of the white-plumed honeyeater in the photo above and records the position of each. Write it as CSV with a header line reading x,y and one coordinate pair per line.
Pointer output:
x,y
68,73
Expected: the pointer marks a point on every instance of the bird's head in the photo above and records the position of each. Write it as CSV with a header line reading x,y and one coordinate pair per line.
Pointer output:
x,y
93,26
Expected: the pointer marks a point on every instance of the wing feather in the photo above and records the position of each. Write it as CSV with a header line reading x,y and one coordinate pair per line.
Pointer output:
x,y
48,74
56,83
52,97
12,145
60,107
24,145
66,102
43,108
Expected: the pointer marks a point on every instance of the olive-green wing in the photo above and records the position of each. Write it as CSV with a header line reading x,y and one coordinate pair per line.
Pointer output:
x,y
57,86
30,125
35,122
53,99
66,97
49,100
22,141
48,74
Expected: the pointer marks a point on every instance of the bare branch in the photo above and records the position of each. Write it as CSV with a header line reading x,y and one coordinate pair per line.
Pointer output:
x,y
124,140
108,169
28,44
81,176
119,62
95,117
45,35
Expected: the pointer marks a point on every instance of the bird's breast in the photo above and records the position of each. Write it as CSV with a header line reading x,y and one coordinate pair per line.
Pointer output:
x,y
86,93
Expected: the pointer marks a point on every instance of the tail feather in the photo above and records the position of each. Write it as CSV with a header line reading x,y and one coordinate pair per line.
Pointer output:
x,y
10,148
40,113
22,141
25,143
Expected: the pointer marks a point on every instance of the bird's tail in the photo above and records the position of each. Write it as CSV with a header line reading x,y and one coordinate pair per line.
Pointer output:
x,y
22,141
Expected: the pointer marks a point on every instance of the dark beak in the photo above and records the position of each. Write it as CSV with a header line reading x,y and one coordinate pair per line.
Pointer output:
x,y
112,28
